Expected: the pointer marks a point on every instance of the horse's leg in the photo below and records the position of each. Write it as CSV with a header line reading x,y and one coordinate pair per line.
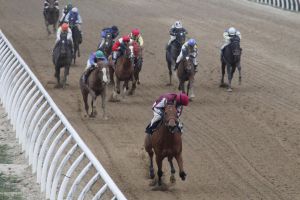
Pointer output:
x,y
85,95
54,27
172,177
133,87
191,88
159,168
223,65
182,174
170,75
78,51
148,148
94,112
57,75
65,76
74,53
229,74
240,72
103,95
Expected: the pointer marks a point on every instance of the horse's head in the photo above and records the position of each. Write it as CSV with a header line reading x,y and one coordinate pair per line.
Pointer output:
x,y
127,51
52,6
180,37
63,44
188,64
108,43
235,48
170,116
103,73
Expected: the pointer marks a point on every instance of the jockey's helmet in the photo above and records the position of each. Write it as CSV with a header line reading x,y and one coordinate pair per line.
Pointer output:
x,y
178,24
69,7
75,10
99,54
114,28
65,27
182,99
135,32
192,42
126,38
231,31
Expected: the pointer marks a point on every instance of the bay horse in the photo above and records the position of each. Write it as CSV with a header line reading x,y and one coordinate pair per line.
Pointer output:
x,y
76,41
173,52
186,73
62,58
166,141
95,86
51,16
124,71
231,58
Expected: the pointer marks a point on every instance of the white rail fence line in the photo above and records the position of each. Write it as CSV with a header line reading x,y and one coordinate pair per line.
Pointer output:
x,y
51,144
292,5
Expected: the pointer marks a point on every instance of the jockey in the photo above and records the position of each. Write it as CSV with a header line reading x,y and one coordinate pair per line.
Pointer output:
x,y
114,31
74,18
175,29
119,45
92,62
136,36
190,49
64,28
47,4
65,11
159,105
227,35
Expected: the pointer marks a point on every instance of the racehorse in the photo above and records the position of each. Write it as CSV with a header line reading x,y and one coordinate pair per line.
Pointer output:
x,y
231,58
124,70
51,16
186,72
173,52
106,48
166,141
95,86
62,57
76,40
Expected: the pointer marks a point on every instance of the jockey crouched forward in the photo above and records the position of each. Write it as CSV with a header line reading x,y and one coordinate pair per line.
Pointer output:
x,y
65,12
114,31
64,29
74,18
190,49
158,109
175,29
119,46
228,35
92,63
136,36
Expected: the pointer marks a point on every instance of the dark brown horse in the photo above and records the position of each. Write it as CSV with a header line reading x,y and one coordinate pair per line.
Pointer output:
x,y
138,61
95,86
166,142
51,16
186,72
124,71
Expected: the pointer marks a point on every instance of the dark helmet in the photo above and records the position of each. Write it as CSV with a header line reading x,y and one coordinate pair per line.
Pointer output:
x,y
115,29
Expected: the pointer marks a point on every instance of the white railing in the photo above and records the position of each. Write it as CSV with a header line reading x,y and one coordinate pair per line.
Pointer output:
x,y
292,5
64,165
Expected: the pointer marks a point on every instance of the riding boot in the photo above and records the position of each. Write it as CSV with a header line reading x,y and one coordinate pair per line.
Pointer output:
x,y
176,66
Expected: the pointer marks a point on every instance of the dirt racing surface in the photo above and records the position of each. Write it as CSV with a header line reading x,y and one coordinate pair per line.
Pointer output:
x,y
240,145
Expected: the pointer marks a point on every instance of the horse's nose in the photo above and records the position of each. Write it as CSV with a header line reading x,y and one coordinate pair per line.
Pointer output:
x,y
172,123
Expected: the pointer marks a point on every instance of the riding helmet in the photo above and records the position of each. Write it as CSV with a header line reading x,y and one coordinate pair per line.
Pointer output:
x,y
64,27
182,99
99,54
191,42
231,31
135,32
126,38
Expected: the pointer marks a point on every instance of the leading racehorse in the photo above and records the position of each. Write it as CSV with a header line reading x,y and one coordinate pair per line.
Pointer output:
x,y
231,58
51,15
173,52
62,57
166,142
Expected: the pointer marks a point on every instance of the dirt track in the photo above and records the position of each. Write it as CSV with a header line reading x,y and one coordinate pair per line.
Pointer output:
x,y
242,145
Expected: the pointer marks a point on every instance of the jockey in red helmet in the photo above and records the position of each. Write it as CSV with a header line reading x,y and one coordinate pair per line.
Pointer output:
x,y
159,105
136,36
117,46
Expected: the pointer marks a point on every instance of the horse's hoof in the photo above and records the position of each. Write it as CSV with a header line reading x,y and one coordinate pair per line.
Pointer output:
x,y
57,86
131,93
229,90
182,175
152,174
138,82
172,179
